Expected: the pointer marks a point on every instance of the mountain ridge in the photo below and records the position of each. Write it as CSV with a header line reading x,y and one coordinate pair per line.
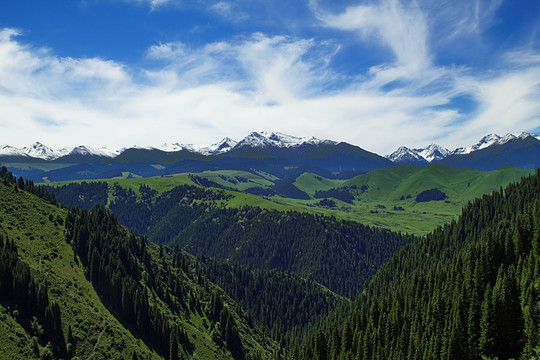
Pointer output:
x,y
434,153
419,156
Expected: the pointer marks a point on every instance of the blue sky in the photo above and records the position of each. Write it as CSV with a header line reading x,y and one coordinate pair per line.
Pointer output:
x,y
377,74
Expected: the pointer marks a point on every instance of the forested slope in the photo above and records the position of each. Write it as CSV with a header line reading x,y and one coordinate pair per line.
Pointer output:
x,y
468,290
100,292
47,307
340,255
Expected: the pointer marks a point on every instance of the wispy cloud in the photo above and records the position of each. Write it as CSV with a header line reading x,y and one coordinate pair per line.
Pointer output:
x,y
256,81
153,4
272,69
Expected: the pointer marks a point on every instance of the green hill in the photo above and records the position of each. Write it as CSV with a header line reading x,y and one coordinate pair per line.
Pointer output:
x,y
36,227
92,318
387,197
468,290
384,198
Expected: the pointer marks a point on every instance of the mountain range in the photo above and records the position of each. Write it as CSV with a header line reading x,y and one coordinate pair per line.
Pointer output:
x,y
275,153
435,153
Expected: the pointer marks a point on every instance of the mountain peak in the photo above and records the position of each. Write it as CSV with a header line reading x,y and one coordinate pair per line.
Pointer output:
x,y
434,152
277,139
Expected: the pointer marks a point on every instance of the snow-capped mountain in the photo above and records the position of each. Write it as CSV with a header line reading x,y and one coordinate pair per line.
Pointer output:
x,y
253,140
39,151
428,154
264,139
87,150
405,155
434,152
489,140
7,150
220,147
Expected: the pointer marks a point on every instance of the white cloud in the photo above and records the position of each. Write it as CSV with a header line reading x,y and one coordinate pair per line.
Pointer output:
x,y
259,82
391,23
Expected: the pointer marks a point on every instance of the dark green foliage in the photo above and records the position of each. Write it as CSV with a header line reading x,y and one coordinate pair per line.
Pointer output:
x,y
326,203
146,292
430,195
8,178
115,261
287,188
204,182
343,193
83,195
338,254
341,255
29,298
290,307
141,214
468,290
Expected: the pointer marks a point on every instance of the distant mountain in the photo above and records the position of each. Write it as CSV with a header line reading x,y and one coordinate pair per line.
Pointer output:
x,y
274,153
519,151
489,153
277,154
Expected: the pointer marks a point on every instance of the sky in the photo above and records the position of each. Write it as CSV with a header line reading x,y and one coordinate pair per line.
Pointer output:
x,y
377,74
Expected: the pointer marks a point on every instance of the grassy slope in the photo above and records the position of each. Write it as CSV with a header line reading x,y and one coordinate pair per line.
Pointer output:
x,y
385,188
25,219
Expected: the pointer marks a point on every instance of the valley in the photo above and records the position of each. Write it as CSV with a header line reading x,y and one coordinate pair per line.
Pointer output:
x,y
284,260
388,198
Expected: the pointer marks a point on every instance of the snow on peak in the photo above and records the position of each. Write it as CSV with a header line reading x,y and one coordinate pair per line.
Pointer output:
x,y
430,153
483,143
8,150
220,147
490,140
87,150
404,154
40,151
265,138
433,152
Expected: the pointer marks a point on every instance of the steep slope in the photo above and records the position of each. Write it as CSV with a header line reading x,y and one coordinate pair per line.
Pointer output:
x,y
220,224
338,254
111,294
37,230
469,290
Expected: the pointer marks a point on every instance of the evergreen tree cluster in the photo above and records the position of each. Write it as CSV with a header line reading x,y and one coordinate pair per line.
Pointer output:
x,y
342,193
431,195
83,195
341,255
204,182
469,290
151,294
28,300
141,213
9,179
289,306
287,188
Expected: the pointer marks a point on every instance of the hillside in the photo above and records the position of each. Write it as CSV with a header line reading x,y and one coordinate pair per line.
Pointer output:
x,y
468,290
90,320
383,198
37,231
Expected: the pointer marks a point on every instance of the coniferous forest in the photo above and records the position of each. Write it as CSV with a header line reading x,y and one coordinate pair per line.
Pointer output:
x,y
469,290
185,277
